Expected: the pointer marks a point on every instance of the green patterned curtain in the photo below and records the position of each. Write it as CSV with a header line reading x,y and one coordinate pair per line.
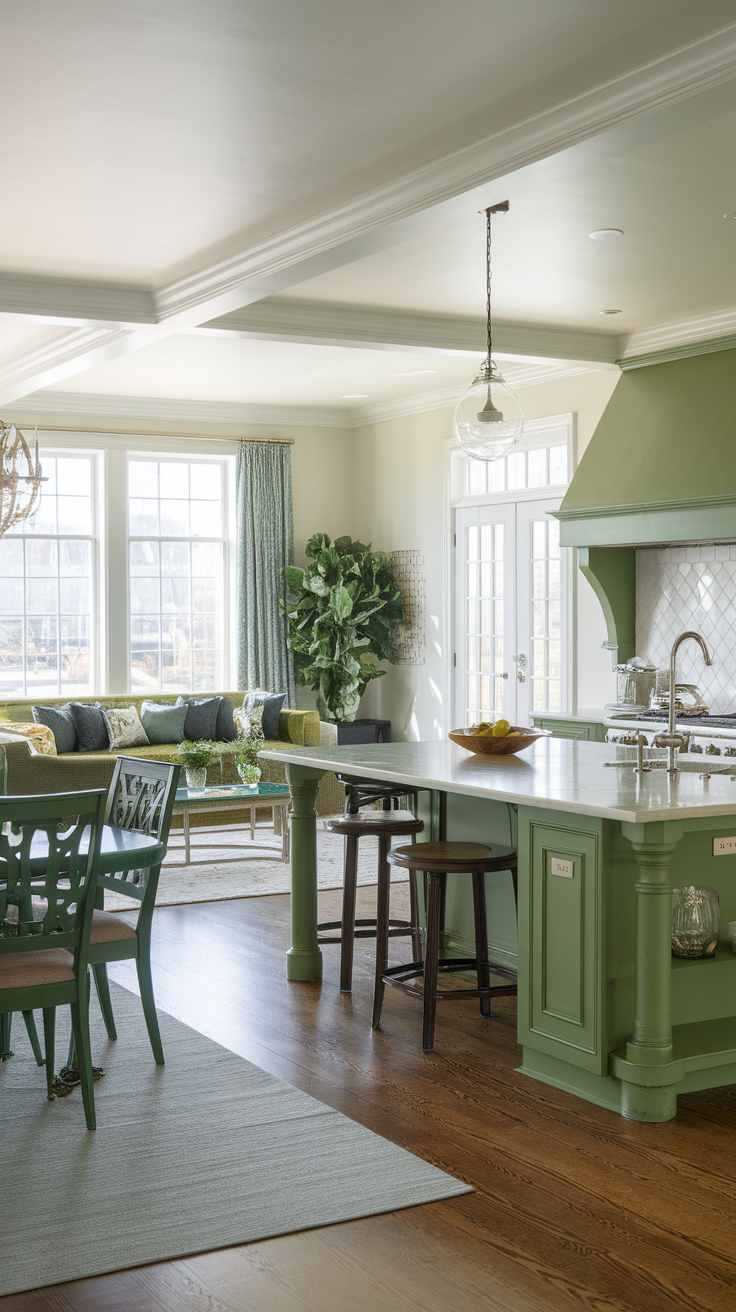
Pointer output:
x,y
265,544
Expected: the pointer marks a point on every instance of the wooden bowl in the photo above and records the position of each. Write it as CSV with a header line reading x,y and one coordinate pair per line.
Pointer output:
x,y
498,746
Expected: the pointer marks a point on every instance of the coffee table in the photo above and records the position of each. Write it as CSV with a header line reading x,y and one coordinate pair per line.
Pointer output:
x,y
234,797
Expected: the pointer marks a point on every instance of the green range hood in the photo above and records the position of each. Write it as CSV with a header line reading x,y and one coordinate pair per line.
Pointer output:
x,y
661,465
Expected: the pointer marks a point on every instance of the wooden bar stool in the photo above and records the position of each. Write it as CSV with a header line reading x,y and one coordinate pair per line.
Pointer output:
x,y
386,825
436,861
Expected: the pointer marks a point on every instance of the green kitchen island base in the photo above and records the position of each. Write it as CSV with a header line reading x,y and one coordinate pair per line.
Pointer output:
x,y
604,1011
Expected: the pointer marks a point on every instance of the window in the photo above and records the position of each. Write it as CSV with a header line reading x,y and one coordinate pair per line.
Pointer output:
x,y
176,554
48,568
540,466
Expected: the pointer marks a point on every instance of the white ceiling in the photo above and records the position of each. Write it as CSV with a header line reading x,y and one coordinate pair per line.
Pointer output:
x,y
138,138
677,257
237,370
168,165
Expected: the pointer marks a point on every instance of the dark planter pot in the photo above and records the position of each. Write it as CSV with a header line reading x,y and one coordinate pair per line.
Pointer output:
x,y
363,731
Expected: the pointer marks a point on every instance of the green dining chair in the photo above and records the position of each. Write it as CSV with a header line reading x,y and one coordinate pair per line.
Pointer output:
x,y
141,798
45,923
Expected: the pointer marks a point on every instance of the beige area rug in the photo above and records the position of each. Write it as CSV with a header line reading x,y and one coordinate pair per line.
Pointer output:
x,y
205,1152
260,872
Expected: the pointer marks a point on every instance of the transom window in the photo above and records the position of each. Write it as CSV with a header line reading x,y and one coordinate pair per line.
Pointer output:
x,y
544,466
48,571
176,551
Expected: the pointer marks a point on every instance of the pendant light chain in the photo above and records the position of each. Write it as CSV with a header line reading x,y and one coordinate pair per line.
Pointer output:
x,y
492,209
488,291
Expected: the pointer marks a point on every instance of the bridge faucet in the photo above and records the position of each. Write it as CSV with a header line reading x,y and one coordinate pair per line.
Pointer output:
x,y
672,739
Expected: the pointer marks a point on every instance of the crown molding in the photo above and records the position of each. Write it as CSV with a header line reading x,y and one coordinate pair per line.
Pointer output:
x,y
176,411
377,328
64,356
73,301
677,341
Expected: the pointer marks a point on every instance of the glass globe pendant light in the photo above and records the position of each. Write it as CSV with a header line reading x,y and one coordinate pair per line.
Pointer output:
x,y
489,420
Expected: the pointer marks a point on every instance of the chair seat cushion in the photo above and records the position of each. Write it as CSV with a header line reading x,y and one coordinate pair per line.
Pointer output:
x,y
107,927
22,970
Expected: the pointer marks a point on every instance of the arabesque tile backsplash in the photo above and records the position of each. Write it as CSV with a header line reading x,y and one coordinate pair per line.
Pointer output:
x,y
681,588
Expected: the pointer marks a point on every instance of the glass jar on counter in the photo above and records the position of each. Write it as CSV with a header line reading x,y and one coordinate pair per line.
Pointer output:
x,y
696,921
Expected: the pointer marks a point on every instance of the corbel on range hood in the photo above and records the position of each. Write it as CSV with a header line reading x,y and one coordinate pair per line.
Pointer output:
x,y
661,465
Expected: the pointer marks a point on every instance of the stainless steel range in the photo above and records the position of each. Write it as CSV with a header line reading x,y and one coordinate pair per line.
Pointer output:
x,y
714,735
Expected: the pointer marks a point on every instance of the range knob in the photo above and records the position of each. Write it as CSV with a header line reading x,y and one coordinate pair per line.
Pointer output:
x,y
730,751
712,750
696,747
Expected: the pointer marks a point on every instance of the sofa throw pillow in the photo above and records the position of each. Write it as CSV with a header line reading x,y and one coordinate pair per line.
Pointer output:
x,y
271,703
39,736
60,721
225,731
249,725
201,717
89,723
163,722
124,728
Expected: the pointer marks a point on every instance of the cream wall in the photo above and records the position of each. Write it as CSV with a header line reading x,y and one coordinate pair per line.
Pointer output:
x,y
400,503
321,460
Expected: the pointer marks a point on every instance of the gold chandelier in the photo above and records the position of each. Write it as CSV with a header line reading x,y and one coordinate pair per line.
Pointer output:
x,y
20,477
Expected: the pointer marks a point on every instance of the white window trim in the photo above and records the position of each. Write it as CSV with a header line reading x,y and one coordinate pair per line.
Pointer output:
x,y
228,527
111,550
96,538
562,427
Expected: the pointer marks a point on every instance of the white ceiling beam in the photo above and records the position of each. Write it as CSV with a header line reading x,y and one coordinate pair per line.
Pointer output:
x,y
75,302
686,85
321,323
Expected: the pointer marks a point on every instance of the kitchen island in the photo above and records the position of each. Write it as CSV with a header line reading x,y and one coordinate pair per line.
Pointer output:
x,y
604,1011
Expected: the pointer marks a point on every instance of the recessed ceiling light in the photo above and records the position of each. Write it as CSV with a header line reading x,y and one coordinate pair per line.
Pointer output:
x,y
609,311
606,234
414,373
730,216
355,396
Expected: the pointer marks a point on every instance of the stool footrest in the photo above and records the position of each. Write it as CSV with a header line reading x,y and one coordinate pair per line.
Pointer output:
x,y
397,929
398,977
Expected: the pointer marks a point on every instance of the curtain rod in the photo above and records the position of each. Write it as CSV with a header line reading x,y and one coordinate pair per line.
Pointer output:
x,y
128,432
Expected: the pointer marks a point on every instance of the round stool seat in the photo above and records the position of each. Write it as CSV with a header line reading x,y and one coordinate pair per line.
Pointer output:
x,y
453,858
388,823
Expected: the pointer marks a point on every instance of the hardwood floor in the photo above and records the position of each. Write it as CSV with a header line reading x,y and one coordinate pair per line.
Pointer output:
x,y
574,1207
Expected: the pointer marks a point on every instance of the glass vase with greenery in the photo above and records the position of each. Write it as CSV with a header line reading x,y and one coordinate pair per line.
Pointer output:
x,y
195,757
245,755
343,613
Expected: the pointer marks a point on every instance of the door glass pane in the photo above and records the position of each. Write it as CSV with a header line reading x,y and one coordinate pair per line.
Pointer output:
x,y
483,607
545,672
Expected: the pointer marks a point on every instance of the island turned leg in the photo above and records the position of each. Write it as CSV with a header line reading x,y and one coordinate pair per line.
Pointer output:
x,y
648,1073
304,959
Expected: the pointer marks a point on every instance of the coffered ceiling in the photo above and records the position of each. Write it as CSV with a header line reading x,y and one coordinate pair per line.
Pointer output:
x,y
277,203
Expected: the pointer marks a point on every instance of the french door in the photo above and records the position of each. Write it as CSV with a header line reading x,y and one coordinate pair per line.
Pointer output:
x,y
511,601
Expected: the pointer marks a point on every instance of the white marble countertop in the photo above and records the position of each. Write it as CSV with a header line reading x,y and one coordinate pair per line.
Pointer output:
x,y
554,773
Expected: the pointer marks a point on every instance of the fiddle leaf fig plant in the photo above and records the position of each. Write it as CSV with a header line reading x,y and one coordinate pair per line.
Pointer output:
x,y
343,611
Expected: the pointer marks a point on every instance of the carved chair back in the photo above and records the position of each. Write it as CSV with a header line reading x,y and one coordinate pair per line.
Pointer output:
x,y
141,798
49,853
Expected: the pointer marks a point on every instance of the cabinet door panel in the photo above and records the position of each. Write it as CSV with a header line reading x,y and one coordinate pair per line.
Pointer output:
x,y
560,1004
